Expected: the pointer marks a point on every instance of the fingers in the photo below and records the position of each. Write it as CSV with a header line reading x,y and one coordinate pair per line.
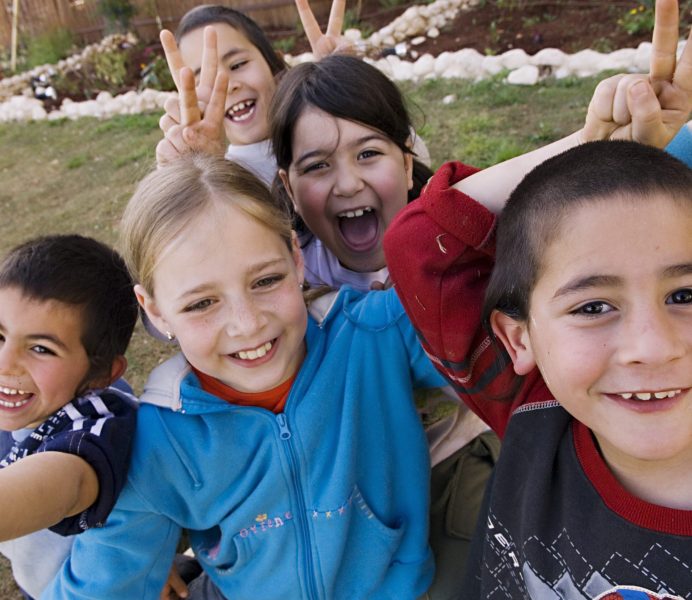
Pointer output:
x,y
189,108
216,109
664,41
171,116
210,64
177,584
683,72
173,58
620,108
647,124
170,147
310,25
336,18
601,105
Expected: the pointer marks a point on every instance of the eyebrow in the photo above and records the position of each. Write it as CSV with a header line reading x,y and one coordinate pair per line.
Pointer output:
x,y
590,281
256,268
357,142
230,54
37,337
678,270
582,283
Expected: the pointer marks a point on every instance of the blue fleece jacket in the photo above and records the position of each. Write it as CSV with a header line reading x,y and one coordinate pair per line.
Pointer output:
x,y
327,500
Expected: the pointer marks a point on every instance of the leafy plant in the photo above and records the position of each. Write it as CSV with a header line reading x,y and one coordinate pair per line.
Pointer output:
x,y
109,67
639,19
48,48
285,45
156,75
117,13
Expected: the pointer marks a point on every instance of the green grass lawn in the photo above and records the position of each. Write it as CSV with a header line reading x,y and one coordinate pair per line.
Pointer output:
x,y
76,176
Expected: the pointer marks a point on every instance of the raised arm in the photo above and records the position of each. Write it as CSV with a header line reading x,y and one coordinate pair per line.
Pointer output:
x,y
41,490
647,109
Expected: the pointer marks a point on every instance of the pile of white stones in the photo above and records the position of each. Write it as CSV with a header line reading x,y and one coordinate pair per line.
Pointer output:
x,y
412,27
20,84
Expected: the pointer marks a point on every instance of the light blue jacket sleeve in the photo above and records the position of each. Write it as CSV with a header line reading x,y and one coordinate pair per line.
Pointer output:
x,y
129,557
681,146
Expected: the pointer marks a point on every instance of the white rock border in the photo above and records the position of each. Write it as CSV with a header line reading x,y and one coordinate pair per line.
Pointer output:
x,y
524,69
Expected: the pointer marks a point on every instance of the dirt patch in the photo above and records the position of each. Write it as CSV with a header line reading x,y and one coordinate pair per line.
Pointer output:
x,y
493,27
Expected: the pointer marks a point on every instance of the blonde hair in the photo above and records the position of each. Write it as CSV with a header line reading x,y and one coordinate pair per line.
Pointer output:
x,y
167,199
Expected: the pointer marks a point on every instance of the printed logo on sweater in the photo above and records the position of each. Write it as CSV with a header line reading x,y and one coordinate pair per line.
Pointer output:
x,y
557,569
264,523
634,593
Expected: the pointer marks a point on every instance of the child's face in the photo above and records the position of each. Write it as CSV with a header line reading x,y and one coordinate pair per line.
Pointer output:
x,y
347,181
42,359
610,327
229,289
251,85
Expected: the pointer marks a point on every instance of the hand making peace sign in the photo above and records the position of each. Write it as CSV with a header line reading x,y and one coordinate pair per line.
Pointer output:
x,y
193,121
330,42
647,109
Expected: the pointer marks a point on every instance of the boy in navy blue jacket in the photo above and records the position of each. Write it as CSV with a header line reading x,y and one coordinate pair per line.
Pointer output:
x,y
67,312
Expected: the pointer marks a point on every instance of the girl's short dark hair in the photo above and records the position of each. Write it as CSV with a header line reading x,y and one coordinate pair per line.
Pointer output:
x,y
541,203
348,88
210,14
82,272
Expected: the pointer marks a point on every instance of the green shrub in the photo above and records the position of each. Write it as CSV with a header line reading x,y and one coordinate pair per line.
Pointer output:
x,y
156,75
639,19
48,48
117,13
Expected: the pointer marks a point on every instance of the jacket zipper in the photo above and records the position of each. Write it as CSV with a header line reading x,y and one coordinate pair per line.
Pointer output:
x,y
285,435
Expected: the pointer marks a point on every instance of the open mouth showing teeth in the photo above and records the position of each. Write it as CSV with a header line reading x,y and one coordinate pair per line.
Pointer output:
x,y
649,395
14,392
241,111
359,227
256,353
350,214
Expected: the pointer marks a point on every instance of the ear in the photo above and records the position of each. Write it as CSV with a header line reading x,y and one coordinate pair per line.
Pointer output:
x,y
514,336
283,175
118,367
149,306
298,257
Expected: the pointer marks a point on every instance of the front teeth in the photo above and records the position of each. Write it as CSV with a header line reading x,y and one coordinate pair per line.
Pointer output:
x,y
647,395
239,107
350,214
256,353
11,391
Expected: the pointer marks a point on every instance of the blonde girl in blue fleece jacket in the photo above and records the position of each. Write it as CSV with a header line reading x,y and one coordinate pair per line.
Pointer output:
x,y
285,440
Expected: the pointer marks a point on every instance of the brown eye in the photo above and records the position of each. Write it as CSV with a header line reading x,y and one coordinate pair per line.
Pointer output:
x,y
593,309
683,296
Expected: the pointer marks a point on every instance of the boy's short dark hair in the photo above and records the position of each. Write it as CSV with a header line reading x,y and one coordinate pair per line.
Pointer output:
x,y
83,272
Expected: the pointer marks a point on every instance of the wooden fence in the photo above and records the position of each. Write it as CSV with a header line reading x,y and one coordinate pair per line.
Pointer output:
x,y
83,19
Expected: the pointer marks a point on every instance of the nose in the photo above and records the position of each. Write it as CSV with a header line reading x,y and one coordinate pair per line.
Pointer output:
x,y
9,364
650,337
233,84
348,181
244,318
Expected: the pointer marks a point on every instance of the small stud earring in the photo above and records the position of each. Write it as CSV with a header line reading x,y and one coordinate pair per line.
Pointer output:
x,y
301,285
170,336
